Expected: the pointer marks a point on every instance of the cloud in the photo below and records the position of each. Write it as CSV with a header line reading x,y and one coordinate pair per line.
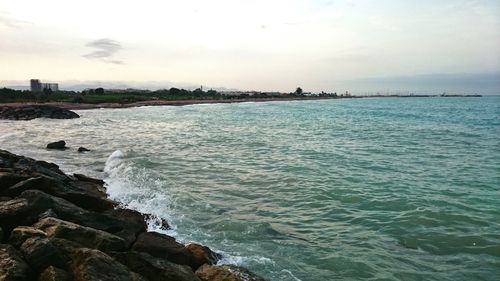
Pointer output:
x,y
10,22
105,49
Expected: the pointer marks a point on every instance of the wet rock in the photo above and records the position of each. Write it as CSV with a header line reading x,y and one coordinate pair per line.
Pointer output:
x,y
163,246
41,253
35,111
158,221
12,265
53,273
91,264
155,269
132,221
57,145
226,273
83,149
202,255
85,236
81,177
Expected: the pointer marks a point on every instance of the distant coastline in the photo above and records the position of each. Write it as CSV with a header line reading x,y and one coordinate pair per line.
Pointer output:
x,y
162,102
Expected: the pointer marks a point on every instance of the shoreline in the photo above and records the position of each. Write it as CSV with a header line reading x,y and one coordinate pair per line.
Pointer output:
x,y
159,102
82,106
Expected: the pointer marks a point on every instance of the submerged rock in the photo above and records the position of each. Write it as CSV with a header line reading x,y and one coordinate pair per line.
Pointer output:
x,y
57,145
83,149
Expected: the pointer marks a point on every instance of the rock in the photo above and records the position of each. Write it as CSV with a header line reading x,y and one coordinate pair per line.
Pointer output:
x,y
35,111
90,265
155,269
83,194
8,178
81,177
202,255
160,222
33,203
226,273
85,236
1,235
57,145
48,214
26,167
23,233
52,273
83,149
133,224
41,253
163,246
12,266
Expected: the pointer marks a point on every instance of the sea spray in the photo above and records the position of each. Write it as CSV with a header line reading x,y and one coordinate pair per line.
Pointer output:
x,y
136,189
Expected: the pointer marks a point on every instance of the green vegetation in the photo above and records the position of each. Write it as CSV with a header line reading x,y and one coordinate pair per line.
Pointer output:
x,y
100,95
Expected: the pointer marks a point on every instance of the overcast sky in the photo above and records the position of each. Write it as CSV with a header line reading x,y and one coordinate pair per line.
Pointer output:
x,y
248,44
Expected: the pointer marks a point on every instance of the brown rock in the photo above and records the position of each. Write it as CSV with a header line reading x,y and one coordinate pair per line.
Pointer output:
x,y
226,273
23,233
155,269
162,246
85,236
52,273
12,266
81,177
90,265
202,255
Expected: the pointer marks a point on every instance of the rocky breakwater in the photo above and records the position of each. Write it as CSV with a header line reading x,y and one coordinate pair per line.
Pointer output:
x,y
28,112
55,226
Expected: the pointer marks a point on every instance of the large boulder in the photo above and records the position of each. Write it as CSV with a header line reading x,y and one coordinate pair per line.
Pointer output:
x,y
12,265
202,255
41,253
84,194
23,233
154,268
27,167
29,112
226,273
31,204
85,236
90,265
163,246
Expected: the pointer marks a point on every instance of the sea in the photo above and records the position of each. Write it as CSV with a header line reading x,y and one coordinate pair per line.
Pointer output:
x,y
344,189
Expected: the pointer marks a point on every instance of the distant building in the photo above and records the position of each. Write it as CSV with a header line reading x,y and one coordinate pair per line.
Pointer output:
x,y
36,86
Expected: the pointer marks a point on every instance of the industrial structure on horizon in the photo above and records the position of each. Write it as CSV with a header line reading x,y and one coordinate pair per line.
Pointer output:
x,y
37,86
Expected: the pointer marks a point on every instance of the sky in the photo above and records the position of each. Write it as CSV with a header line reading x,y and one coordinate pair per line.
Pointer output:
x,y
267,45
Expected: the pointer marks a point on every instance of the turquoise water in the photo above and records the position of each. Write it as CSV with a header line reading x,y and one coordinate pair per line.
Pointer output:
x,y
364,189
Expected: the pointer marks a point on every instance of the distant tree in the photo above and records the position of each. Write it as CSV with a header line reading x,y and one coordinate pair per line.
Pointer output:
x,y
174,91
99,91
298,91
